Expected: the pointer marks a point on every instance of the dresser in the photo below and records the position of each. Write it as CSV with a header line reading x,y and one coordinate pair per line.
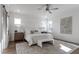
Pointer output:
x,y
19,36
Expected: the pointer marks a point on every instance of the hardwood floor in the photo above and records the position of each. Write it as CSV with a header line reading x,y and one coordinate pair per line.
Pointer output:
x,y
76,51
12,48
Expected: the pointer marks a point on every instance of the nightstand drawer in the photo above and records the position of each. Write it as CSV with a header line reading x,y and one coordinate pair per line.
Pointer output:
x,y
19,36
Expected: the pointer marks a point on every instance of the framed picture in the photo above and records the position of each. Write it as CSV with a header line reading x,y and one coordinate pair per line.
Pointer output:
x,y
66,25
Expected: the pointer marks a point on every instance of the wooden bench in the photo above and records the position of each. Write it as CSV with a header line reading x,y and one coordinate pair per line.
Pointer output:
x,y
39,42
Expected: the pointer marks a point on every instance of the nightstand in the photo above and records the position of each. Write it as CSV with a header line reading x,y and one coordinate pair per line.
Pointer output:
x,y
19,36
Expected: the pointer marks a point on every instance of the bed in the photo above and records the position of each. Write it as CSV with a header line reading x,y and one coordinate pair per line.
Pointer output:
x,y
33,38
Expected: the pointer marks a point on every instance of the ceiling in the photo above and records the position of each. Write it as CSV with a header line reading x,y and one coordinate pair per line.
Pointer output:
x,y
33,8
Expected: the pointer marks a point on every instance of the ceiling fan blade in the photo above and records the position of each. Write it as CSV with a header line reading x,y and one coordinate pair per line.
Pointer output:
x,y
54,9
48,5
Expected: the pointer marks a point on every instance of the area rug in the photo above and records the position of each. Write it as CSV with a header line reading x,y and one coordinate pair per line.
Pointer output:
x,y
59,47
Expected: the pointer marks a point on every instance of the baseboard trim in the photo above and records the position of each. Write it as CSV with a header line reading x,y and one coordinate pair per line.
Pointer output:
x,y
66,41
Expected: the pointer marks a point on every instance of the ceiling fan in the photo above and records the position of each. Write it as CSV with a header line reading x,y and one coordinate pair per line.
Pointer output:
x,y
47,8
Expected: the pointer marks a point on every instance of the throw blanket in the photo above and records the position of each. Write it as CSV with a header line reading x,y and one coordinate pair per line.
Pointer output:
x,y
32,38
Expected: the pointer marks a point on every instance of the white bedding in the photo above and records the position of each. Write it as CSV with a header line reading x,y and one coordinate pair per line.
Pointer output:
x,y
32,38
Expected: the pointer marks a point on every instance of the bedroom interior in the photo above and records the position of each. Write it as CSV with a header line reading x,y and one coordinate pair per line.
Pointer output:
x,y
39,28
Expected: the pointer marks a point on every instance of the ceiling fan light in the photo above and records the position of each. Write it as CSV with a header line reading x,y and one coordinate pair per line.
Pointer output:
x,y
50,12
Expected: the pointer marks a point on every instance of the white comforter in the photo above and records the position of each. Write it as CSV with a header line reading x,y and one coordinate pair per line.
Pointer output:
x,y
32,38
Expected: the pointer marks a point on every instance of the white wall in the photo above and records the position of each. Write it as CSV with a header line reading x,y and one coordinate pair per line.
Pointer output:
x,y
74,37
29,22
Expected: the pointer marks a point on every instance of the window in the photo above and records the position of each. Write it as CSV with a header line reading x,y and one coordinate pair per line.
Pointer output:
x,y
44,25
17,21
